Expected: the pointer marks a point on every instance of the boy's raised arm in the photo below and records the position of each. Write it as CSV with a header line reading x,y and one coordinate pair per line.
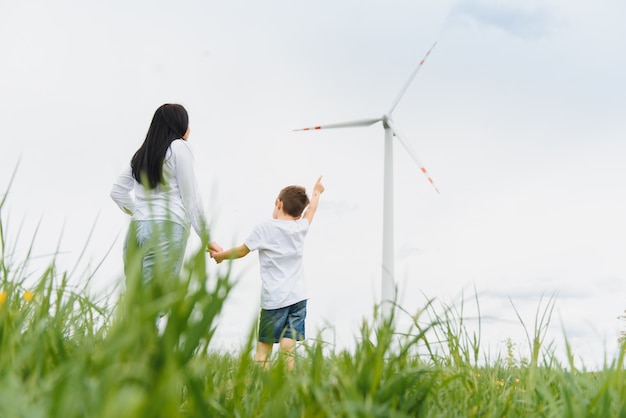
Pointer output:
x,y
318,189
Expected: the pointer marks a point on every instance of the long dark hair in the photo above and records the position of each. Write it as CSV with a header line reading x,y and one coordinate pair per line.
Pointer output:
x,y
170,122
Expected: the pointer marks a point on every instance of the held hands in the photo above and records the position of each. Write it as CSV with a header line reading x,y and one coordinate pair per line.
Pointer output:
x,y
219,256
214,251
214,247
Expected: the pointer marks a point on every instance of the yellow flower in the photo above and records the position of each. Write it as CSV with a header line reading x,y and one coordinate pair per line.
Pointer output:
x,y
500,383
28,296
3,296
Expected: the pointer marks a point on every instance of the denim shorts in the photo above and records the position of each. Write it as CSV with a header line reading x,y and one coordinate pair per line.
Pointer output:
x,y
287,322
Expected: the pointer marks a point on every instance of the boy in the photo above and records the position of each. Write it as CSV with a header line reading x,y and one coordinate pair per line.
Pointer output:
x,y
280,242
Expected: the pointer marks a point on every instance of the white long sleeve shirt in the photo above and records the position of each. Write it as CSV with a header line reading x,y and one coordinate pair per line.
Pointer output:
x,y
176,199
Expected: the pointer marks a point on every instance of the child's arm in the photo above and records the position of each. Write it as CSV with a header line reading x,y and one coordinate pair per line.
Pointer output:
x,y
315,198
235,252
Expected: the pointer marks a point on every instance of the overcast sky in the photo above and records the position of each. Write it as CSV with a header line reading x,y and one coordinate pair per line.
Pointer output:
x,y
517,114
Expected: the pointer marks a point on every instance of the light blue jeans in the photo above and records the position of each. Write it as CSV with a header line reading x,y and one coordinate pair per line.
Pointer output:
x,y
161,247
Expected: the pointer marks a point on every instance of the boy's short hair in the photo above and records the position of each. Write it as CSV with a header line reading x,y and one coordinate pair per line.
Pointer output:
x,y
294,200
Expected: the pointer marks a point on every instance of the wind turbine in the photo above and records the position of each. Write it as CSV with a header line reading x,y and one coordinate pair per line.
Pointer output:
x,y
388,288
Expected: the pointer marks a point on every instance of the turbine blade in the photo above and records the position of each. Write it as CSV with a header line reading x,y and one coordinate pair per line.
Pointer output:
x,y
351,124
407,146
408,83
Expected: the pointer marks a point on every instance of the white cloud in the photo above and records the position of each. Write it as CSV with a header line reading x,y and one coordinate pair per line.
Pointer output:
x,y
527,20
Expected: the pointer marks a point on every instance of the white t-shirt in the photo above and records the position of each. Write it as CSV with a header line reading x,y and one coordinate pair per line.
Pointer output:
x,y
176,200
280,244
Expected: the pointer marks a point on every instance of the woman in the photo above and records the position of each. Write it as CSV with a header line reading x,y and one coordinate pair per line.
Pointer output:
x,y
159,191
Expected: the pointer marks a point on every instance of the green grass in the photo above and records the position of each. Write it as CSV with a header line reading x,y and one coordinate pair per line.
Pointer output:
x,y
64,353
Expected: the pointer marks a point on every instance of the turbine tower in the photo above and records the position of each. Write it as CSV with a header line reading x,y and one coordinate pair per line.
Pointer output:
x,y
388,287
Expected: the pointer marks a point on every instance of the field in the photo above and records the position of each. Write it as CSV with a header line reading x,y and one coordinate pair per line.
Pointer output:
x,y
66,354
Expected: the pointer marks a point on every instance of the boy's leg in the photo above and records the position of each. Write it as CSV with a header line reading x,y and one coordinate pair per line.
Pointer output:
x,y
288,351
266,338
263,354
293,332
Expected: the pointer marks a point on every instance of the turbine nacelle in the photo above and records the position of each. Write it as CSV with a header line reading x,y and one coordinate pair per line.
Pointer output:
x,y
385,120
